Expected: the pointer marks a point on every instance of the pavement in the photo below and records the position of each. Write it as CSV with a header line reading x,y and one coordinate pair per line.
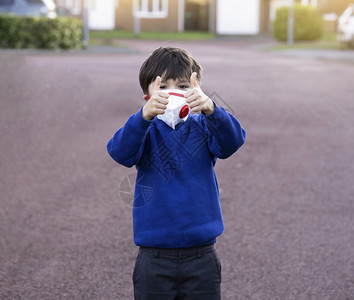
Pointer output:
x,y
345,56
286,195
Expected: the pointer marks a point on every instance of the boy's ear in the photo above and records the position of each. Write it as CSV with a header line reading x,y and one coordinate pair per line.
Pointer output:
x,y
146,97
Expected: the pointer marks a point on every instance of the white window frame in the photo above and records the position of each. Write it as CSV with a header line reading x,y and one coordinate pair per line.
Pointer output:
x,y
142,11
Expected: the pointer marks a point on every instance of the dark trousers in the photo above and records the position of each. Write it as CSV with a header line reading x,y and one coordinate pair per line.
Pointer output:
x,y
183,274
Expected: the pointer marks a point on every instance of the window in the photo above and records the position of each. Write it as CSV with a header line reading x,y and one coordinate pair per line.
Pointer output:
x,y
6,2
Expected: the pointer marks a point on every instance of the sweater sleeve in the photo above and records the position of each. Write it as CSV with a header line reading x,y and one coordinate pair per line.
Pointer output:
x,y
226,135
127,144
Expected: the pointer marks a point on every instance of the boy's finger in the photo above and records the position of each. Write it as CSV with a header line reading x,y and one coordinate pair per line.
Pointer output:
x,y
162,100
194,81
157,83
195,104
160,105
188,93
197,108
192,98
163,94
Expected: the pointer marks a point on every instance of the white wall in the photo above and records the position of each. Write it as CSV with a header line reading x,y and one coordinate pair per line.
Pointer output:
x,y
240,17
102,14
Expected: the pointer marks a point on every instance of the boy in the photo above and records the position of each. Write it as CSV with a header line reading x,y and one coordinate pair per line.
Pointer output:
x,y
176,211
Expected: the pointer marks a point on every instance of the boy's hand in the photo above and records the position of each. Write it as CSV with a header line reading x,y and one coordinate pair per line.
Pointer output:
x,y
157,104
197,100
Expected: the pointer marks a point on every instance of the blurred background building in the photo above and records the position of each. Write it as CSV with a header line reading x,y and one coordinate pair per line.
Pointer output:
x,y
234,17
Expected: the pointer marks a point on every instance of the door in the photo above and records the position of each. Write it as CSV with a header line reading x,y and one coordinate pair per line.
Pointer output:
x,y
102,14
238,17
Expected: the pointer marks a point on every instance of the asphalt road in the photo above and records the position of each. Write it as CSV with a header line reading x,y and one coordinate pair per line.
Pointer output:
x,y
287,196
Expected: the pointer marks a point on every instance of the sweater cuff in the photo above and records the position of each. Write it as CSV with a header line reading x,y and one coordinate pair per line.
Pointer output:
x,y
140,125
214,118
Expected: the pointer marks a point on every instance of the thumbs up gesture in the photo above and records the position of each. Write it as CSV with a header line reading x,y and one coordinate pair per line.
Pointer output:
x,y
197,100
157,103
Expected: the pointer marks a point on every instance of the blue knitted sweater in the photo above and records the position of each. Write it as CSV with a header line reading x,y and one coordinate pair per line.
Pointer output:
x,y
176,200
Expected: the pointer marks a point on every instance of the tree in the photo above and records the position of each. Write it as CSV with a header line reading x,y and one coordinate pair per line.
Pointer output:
x,y
308,24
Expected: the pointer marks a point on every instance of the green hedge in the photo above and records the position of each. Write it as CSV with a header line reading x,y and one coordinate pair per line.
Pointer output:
x,y
28,32
308,24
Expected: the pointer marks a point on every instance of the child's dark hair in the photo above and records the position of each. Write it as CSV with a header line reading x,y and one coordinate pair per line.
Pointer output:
x,y
169,63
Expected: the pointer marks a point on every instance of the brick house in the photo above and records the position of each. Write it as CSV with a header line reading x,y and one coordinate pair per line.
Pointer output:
x,y
224,17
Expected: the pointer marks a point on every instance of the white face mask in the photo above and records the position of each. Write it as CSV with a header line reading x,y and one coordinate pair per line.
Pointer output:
x,y
177,110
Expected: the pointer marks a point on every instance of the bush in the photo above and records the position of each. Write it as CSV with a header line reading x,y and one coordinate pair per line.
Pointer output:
x,y
308,24
28,32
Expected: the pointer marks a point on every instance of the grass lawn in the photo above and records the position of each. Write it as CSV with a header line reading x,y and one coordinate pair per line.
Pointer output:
x,y
327,42
112,37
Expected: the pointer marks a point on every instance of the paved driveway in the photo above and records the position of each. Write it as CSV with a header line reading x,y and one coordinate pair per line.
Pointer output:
x,y
287,195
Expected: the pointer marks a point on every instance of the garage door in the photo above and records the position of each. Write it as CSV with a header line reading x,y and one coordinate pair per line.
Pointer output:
x,y
238,17
102,14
